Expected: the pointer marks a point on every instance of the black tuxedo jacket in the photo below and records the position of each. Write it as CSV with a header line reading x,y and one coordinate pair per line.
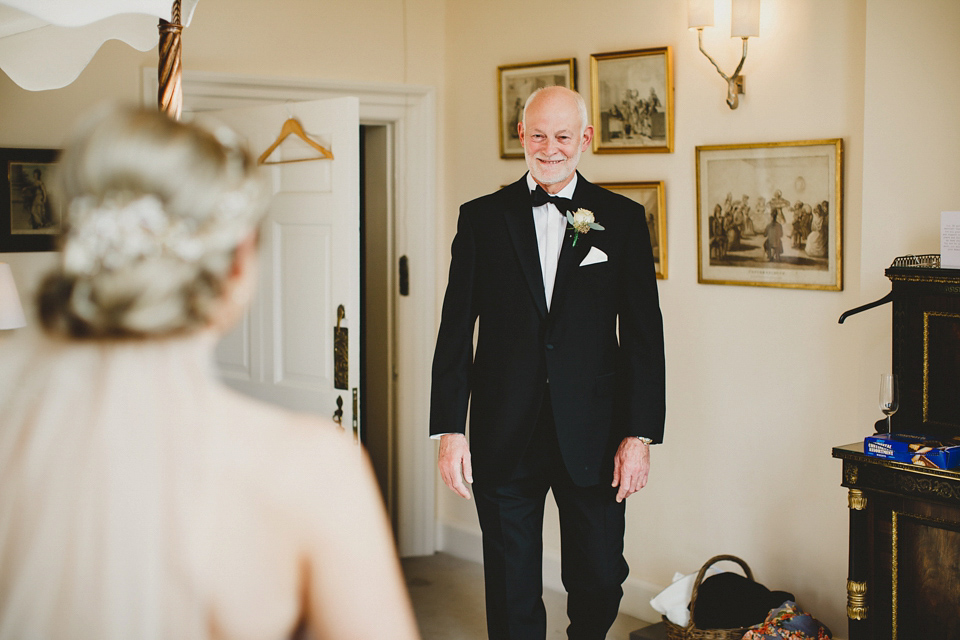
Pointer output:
x,y
602,388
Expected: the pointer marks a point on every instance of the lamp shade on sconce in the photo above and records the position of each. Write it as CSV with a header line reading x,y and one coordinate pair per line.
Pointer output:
x,y
745,19
11,311
699,13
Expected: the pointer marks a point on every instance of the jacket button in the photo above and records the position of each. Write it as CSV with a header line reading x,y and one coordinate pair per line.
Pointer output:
x,y
549,346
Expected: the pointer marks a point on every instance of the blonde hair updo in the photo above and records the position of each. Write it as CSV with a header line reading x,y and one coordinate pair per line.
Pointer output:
x,y
154,212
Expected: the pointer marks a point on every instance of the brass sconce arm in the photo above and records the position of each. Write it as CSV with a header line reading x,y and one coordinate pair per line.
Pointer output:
x,y
735,81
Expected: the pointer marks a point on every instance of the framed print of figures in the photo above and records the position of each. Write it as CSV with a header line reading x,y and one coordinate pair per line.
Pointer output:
x,y
632,100
771,215
515,83
651,196
29,219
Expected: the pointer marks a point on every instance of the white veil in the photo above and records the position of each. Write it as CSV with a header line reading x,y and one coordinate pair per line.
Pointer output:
x,y
99,428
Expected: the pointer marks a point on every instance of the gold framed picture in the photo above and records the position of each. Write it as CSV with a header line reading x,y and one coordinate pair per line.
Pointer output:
x,y
632,101
651,196
515,83
771,214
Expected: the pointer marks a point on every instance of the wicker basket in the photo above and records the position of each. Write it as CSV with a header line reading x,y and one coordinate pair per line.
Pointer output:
x,y
690,632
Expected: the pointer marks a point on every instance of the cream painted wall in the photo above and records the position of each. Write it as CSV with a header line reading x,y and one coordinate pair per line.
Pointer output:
x,y
760,380
911,155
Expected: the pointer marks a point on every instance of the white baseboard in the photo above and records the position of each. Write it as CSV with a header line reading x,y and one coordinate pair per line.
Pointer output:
x,y
465,544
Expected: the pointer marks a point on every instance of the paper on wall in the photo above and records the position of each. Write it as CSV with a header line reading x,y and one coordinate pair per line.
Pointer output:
x,y
950,239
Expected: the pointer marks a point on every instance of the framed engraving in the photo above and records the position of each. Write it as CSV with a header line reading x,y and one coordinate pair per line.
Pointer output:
x,y
771,214
515,83
632,100
651,196
29,219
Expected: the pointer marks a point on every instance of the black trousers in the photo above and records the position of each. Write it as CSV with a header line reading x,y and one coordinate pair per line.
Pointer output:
x,y
591,536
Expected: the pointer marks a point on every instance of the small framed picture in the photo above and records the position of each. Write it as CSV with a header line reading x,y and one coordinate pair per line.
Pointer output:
x,y
29,219
515,83
632,100
771,215
651,196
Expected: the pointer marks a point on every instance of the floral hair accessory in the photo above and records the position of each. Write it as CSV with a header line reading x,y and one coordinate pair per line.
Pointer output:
x,y
121,230
582,221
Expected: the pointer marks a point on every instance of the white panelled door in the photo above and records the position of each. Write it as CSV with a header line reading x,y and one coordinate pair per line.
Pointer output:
x,y
283,350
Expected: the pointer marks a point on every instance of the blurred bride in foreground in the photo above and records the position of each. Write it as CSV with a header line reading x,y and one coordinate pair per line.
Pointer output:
x,y
139,498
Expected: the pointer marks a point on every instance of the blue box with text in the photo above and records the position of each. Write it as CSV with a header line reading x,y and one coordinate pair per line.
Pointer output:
x,y
914,449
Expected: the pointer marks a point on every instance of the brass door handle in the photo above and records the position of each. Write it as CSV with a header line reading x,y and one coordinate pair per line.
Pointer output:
x,y
338,414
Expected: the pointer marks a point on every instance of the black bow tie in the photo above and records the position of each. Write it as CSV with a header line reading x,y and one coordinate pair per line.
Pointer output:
x,y
540,197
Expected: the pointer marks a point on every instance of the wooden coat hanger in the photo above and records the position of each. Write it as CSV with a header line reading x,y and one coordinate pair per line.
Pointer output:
x,y
292,126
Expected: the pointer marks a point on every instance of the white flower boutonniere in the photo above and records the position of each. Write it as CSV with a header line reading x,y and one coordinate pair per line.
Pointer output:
x,y
582,221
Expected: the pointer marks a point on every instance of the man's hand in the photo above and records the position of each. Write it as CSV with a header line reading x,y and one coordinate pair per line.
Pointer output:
x,y
454,463
631,466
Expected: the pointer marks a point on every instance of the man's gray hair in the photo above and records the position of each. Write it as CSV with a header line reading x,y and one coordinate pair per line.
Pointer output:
x,y
581,107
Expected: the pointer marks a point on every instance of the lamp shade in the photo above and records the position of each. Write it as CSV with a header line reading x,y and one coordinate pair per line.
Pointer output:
x,y
699,13
11,311
745,19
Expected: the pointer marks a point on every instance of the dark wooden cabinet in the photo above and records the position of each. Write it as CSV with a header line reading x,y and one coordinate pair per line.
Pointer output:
x,y
904,559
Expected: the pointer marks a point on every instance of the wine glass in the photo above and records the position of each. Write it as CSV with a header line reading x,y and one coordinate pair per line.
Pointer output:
x,y
889,396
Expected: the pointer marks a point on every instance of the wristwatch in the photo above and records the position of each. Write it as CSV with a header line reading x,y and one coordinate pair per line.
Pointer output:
x,y
644,439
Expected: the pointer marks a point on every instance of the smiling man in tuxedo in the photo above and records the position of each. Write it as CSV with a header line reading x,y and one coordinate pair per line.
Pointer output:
x,y
566,388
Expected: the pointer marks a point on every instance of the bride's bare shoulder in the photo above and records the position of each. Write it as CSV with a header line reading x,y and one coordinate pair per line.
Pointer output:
x,y
265,440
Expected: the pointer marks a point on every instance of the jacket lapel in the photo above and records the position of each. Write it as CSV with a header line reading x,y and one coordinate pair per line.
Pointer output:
x,y
570,256
519,219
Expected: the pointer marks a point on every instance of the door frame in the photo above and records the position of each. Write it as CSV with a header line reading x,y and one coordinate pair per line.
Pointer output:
x,y
410,112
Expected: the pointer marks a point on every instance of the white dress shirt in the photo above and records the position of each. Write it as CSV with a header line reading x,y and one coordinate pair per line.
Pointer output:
x,y
551,226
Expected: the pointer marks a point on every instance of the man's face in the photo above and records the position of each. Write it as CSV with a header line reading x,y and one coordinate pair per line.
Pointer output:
x,y
552,138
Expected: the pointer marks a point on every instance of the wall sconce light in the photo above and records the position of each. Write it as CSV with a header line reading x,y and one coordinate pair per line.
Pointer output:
x,y
744,23
11,312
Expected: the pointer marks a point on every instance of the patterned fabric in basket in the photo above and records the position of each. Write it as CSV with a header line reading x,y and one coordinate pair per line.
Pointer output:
x,y
789,622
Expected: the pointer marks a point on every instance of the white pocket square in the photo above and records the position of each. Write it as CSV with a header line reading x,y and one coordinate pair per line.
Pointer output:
x,y
593,257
